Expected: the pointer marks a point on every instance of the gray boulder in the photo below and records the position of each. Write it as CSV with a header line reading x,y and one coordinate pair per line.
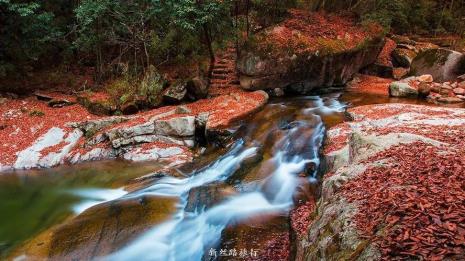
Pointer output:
x,y
197,88
402,89
176,92
443,64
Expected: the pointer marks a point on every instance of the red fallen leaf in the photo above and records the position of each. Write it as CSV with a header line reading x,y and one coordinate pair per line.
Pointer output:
x,y
406,235
450,226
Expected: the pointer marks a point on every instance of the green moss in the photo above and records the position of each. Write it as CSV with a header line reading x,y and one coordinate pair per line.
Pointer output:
x,y
433,56
36,113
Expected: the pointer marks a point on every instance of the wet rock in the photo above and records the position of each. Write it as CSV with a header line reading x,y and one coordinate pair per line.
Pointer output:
x,y
176,92
101,230
204,197
403,57
381,70
433,97
410,47
155,151
197,88
424,89
449,100
188,142
201,120
443,64
427,78
402,89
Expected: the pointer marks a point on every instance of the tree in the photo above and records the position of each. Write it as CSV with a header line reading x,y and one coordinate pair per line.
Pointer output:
x,y
27,32
118,30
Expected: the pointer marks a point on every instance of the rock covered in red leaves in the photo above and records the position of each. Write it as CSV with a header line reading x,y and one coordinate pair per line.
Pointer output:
x,y
308,51
35,135
396,189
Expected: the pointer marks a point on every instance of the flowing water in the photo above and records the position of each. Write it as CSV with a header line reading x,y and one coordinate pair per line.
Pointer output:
x,y
231,199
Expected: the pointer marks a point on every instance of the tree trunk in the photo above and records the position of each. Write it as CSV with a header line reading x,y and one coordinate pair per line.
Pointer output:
x,y
209,44
247,2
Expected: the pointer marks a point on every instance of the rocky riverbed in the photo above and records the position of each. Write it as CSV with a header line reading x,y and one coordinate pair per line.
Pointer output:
x,y
36,135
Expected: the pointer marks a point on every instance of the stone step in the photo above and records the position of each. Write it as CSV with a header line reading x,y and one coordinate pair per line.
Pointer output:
x,y
228,58
223,71
219,77
221,66
220,81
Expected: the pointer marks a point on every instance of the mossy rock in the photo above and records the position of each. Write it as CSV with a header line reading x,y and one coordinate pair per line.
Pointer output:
x,y
443,64
97,107
100,230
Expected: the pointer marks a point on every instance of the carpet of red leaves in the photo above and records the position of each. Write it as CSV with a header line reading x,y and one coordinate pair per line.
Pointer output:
x,y
385,58
305,32
301,217
25,120
275,249
338,141
414,209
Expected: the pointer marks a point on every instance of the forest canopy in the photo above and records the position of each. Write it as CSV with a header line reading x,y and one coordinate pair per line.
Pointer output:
x,y
103,33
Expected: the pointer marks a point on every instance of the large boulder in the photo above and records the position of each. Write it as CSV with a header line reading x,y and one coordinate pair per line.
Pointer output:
x,y
176,92
302,73
197,88
296,58
443,64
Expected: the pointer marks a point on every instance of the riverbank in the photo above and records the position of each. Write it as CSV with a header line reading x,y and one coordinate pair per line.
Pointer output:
x,y
36,135
394,186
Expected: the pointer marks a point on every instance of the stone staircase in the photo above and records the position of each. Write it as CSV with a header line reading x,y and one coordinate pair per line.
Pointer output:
x,y
224,78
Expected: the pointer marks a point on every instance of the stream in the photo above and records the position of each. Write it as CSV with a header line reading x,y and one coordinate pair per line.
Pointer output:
x,y
223,206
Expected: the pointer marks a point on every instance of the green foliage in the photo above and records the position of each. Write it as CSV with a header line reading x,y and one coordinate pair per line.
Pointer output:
x,y
27,32
146,32
406,16
271,11
126,89
152,86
